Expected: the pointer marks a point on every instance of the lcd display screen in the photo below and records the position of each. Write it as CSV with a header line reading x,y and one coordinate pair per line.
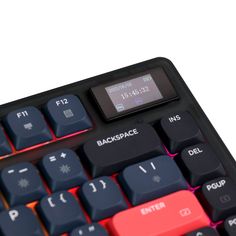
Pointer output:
x,y
134,93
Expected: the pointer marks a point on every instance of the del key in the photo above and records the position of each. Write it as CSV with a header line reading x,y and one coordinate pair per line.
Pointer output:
x,y
113,150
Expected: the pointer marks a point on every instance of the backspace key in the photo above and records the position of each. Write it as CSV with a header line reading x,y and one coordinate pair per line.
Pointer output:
x,y
112,151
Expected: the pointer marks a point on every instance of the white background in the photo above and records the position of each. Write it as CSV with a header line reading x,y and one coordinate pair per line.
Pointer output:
x,y
45,44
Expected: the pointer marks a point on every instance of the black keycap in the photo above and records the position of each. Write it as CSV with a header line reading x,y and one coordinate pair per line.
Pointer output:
x,y
229,226
60,213
27,127
180,130
4,144
102,198
19,221
152,179
207,231
200,164
93,229
116,149
21,184
219,198
62,170
67,115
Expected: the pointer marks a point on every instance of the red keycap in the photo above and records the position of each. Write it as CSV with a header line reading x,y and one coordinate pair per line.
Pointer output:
x,y
172,215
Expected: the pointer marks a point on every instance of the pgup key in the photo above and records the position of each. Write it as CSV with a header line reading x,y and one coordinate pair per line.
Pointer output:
x,y
219,198
19,221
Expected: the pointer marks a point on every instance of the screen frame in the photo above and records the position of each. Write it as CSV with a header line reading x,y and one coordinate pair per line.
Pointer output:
x,y
106,105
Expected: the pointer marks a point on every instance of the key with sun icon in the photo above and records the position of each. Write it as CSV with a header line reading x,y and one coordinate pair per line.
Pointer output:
x,y
22,184
63,170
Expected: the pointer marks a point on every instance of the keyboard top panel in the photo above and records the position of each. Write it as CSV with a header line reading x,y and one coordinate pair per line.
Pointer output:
x,y
185,102
98,142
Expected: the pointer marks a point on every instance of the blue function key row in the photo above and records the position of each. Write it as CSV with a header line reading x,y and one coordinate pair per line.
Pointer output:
x,y
27,126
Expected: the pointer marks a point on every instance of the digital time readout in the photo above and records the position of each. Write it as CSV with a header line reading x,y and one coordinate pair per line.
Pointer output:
x,y
133,93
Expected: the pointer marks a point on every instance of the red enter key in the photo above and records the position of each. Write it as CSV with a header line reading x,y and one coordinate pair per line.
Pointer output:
x,y
172,215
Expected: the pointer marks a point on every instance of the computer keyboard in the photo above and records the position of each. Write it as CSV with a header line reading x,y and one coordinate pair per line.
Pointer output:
x,y
126,153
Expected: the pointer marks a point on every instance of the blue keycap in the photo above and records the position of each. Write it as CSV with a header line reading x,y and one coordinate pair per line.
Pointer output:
x,y
19,221
62,170
27,127
67,115
151,179
93,229
60,213
102,198
21,184
4,145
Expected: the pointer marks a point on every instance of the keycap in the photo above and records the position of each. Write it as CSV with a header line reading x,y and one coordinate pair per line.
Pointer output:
x,y
19,221
60,213
200,164
27,127
229,226
93,229
174,214
62,170
112,151
206,231
179,131
67,115
21,184
151,179
4,144
219,198
101,198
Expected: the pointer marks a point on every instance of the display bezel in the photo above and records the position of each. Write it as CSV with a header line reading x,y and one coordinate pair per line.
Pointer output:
x,y
108,109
